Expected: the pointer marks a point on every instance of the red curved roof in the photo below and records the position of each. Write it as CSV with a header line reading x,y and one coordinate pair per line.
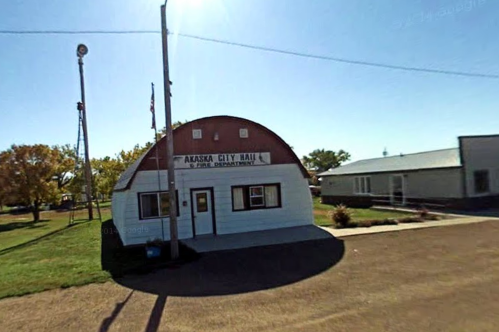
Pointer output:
x,y
260,139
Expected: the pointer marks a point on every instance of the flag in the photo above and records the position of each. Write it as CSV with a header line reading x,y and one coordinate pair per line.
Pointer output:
x,y
152,108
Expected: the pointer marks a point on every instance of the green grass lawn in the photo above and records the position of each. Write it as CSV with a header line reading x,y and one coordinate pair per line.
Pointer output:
x,y
19,229
321,214
5,209
105,204
50,254
67,258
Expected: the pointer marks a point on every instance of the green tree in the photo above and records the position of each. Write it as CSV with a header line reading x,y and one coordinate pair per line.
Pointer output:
x,y
3,185
66,156
175,125
28,173
321,160
126,158
106,173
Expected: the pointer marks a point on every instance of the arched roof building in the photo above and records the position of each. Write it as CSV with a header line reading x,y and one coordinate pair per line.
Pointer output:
x,y
232,175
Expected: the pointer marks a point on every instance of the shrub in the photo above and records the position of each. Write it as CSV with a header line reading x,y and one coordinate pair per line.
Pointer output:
x,y
377,222
384,222
423,212
341,215
407,220
363,223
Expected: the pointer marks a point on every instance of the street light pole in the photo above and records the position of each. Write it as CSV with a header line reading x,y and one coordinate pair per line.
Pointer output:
x,y
81,51
169,139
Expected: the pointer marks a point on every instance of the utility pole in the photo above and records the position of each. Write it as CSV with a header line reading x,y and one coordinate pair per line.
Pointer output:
x,y
81,51
169,140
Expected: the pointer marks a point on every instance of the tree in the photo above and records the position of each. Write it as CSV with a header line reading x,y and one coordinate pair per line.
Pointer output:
x,y
3,185
106,172
66,156
175,125
126,158
28,173
321,160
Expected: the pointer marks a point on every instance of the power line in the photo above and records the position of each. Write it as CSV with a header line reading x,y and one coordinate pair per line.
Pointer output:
x,y
77,32
260,48
335,59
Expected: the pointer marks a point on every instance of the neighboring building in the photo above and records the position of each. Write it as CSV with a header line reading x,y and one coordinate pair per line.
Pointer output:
x,y
463,177
232,175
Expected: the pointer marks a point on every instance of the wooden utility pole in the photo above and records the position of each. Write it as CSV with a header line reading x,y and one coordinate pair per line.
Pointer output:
x,y
169,139
81,50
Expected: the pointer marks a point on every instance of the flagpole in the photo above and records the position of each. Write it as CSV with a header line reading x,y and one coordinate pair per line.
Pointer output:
x,y
157,160
159,183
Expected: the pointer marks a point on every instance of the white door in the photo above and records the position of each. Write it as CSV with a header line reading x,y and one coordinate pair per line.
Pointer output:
x,y
202,210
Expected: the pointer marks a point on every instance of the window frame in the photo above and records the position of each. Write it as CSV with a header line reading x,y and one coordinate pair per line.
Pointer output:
x,y
487,174
247,197
197,134
361,184
251,196
158,197
206,207
243,133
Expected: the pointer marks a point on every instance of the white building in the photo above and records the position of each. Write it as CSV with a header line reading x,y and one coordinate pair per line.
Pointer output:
x,y
232,175
466,177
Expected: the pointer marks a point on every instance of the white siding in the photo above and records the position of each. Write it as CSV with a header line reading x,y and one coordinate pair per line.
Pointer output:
x,y
444,183
338,185
481,153
295,197
118,209
343,185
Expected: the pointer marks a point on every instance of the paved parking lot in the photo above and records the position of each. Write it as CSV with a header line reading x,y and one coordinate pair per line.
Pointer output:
x,y
435,279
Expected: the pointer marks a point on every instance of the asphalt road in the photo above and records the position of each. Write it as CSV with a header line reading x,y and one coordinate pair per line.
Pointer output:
x,y
436,279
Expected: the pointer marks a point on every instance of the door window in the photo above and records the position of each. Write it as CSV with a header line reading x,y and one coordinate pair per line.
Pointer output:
x,y
202,202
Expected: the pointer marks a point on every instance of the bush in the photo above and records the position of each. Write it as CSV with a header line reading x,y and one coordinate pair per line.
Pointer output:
x,y
341,215
407,220
384,222
423,212
377,222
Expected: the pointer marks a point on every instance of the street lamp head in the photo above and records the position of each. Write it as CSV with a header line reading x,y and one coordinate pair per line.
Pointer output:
x,y
81,50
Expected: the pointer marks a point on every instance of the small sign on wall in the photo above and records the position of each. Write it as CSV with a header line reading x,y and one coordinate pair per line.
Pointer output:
x,y
222,160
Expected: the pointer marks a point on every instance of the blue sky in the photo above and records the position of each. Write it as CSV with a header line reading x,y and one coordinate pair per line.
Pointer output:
x,y
309,103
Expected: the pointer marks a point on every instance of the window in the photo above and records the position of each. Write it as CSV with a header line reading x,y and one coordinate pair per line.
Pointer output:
x,y
243,133
164,200
237,198
362,185
256,196
202,202
265,196
197,134
271,196
481,181
155,205
149,204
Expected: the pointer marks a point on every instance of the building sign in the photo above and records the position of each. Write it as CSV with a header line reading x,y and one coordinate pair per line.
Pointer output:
x,y
222,160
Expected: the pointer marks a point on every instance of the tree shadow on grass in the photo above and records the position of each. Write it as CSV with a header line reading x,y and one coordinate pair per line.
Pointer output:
x,y
217,273
21,224
35,240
